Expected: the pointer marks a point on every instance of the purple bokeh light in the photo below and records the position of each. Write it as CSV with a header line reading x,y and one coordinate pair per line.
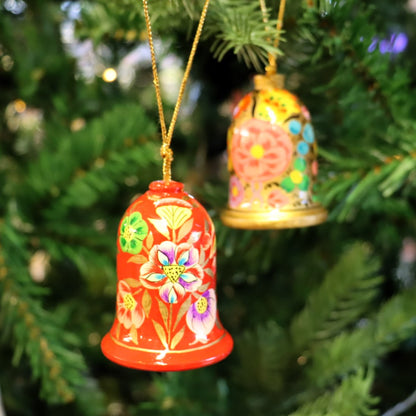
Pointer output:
x,y
397,43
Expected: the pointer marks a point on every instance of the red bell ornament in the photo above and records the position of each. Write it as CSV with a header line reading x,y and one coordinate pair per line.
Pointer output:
x,y
166,312
272,156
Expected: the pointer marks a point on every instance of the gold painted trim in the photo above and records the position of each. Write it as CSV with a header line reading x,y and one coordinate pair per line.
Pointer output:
x,y
275,219
129,347
266,82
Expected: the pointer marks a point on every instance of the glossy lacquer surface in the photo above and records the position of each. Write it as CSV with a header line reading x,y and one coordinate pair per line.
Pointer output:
x,y
166,307
272,160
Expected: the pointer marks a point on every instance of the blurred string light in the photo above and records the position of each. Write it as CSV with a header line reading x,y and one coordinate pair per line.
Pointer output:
x,y
72,9
6,61
15,6
93,61
88,61
411,5
27,123
19,106
39,265
109,75
397,43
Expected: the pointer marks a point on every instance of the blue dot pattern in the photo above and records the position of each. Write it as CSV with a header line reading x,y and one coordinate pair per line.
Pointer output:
x,y
295,127
303,148
308,133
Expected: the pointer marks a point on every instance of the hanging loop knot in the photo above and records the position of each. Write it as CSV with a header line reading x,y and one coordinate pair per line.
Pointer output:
x,y
167,155
166,152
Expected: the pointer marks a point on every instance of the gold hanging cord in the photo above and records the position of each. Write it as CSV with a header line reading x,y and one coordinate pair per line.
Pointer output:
x,y
166,151
271,69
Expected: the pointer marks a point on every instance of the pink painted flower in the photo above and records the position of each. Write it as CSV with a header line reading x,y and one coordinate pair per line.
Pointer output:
x,y
260,151
315,167
242,105
236,192
278,199
306,113
129,311
173,269
201,316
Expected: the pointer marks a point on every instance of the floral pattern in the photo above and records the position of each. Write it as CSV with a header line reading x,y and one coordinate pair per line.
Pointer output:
x,y
302,148
133,231
295,179
276,105
242,105
315,167
272,150
278,199
129,312
173,269
236,192
174,216
260,151
295,126
308,133
201,315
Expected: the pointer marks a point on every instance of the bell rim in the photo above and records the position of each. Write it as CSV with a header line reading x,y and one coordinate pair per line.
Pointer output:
x,y
274,219
175,360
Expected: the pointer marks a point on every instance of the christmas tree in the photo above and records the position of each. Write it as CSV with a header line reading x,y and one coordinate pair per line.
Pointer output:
x,y
323,318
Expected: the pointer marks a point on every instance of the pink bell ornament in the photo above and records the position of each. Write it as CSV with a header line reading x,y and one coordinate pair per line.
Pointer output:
x,y
272,156
166,312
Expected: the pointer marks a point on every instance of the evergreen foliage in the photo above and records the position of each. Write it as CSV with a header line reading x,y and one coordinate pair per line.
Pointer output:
x,y
323,318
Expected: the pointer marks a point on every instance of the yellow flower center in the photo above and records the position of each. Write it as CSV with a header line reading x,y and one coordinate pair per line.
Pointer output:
x,y
201,305
234,191
128,233
296,176
129,301
173,272
257,151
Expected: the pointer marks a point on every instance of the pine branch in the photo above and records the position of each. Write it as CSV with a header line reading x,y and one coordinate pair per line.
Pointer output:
x,y
80,254
264,353
346,292
33,330
104,19
394,323
237,26
362,83
104,177
351,398
164,8
64,160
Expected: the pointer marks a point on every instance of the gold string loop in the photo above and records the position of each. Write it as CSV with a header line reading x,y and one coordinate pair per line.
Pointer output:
x,y
167,156
165,150
271,68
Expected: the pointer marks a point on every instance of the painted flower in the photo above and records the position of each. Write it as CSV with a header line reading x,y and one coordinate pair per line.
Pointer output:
x,y
302,148
174,216
129,312
295,127
308,133
278,198
276,105
236,192
201,316
305,113
242,105
173,269
133,231
260,151
315,167
295,179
